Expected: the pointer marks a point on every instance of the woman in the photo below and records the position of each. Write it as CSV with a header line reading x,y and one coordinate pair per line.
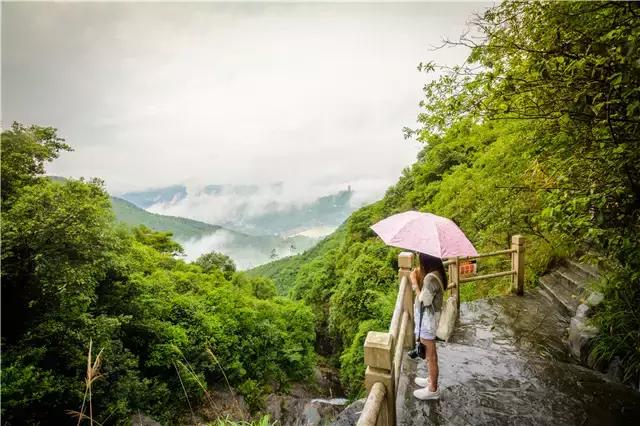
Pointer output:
x,y
428,281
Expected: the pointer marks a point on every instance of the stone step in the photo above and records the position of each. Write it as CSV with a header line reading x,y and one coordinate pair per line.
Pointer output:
x,y
574,278
578,273
590,270
563,292
547,296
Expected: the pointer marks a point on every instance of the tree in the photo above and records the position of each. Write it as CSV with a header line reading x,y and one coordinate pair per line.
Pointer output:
x,y
56,238
263,288
25,150
571,72
159,240
363,282
70,276
217,260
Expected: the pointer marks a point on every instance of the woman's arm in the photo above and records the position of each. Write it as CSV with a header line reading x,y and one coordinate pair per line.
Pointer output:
x,y
413,279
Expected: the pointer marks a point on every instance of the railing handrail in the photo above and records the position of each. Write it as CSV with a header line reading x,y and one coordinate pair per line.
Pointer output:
x,y
394,327
383,351
372,406
487,276
480,256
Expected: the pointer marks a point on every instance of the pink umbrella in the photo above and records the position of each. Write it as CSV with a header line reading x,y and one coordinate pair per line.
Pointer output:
x,y
424,233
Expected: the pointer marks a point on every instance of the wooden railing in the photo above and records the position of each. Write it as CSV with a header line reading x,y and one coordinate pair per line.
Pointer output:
x,y
383,352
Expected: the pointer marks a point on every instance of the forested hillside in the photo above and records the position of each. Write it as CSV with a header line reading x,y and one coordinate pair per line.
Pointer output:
x,y
246,250
181,228
157,332
539,134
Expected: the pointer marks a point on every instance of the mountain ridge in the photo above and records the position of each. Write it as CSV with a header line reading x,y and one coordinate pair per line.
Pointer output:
x,y
258,210
200,237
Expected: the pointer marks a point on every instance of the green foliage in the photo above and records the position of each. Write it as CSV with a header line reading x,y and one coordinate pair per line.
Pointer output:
x,y
617,316
246,250
263,288
366,279
70,275
55,251
284,271
24,152
570,72
158,240
538,134
252,394
352,367
182,228
263,421
215,260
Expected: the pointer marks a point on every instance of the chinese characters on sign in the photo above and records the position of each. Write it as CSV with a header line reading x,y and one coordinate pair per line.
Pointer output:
x,y
468,268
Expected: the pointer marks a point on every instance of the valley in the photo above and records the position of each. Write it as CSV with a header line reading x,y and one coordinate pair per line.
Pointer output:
x,y
198,238
252,230
188,234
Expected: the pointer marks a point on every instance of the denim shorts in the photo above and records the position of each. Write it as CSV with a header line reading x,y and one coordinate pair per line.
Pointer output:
x,y
429,324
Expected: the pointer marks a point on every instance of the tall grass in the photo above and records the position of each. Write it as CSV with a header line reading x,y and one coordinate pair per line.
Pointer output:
x,y
618,319
263,421
92,374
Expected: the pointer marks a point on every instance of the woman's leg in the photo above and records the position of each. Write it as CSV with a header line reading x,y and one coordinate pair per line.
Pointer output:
x,y
432,363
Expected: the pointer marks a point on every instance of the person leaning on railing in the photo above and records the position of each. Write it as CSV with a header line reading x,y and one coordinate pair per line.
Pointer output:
x,y
427,281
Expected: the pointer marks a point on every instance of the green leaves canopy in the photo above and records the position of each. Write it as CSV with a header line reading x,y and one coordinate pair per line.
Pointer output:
x,y
70,274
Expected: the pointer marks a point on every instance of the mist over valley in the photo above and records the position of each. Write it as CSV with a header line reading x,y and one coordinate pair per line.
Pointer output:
x,y
253,224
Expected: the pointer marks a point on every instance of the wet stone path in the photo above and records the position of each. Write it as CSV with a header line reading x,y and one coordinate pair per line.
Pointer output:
x,y
507,364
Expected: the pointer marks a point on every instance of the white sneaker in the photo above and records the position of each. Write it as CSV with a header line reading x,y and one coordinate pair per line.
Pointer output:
x,y
422,381
425,394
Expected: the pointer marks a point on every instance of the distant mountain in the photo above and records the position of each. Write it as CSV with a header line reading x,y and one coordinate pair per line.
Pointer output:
x,y
145,199
176,193
262,210
199,237
330,210
183,229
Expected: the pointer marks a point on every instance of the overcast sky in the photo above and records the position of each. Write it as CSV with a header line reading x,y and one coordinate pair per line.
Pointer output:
x,y
155,94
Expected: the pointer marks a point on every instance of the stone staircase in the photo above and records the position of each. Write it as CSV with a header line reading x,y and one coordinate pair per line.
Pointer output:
x,y
568,284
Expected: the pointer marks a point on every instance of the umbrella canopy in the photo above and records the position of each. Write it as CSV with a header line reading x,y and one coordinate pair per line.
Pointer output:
x,y
425,233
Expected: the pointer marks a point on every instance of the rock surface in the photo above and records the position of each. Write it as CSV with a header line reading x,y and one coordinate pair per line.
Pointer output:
x,y
569,284
583,311
311,404
615,370
580,336
143,420
321,412
595,298
349,416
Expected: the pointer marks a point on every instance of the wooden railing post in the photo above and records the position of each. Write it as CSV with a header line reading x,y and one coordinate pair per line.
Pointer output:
x,y
517,264
378,356
405,262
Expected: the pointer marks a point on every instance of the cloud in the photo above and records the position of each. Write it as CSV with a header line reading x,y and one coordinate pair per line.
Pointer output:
x,y
245,255
230,206
155,94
